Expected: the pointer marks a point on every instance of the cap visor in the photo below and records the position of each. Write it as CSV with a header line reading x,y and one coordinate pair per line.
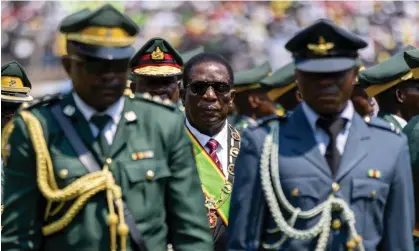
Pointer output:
x,y
324,65
109,53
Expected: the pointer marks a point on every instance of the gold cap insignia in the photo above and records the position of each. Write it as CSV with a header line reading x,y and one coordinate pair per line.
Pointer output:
x,y
322,48
12,83
157,54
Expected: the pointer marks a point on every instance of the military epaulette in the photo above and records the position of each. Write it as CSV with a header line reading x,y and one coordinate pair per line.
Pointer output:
x,y
266,120
43,101
154,99
381,124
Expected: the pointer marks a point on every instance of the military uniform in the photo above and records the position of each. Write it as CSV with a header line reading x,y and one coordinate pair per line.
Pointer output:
x,y
53,201
384,76
245,82
282,82
289,199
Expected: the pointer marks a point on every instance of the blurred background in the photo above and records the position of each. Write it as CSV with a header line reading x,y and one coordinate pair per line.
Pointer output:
x,y
245,32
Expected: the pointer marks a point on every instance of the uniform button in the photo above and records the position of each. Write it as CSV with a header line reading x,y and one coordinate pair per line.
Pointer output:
x,y
63,173
335,187
373,194
108,161
295,192
150,175
336,224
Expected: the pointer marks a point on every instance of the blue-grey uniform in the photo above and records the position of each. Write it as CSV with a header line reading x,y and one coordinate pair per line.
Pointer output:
x,y
287,196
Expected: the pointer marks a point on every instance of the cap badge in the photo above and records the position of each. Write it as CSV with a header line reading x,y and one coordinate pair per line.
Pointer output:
x,y
12,83
157,54
322,48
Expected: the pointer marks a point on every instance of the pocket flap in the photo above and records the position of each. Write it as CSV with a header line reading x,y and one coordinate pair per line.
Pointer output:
x,y
145,170
303,187
370,188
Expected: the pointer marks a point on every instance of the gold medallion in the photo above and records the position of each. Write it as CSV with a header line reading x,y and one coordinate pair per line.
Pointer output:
x,y
234,151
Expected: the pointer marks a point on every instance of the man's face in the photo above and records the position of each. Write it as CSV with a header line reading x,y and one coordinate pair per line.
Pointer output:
x,y
261,103
410,99
208,96
362,103
98,82
165,87
326,93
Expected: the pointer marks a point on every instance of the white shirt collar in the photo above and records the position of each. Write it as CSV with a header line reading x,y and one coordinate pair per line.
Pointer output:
x,y
203,139
401,121
312,116
114,111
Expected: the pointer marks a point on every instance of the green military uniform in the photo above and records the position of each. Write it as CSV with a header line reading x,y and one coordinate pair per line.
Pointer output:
x,y
187,55
382,77
51,200
282,81
245,82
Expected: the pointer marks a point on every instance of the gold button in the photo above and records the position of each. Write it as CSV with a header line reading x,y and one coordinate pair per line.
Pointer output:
x,y
295,192
367,119
358,239
150,175
63,173
351,244
373,194
335,187
336,224
108,161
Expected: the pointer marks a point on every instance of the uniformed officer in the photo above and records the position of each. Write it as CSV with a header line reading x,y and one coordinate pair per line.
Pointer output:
x,y
15,88
252,102
324,178
284,89
207,96
391,83
157,69
97,170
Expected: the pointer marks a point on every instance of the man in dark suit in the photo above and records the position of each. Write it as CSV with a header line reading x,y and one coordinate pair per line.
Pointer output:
x,y
324,178
207,95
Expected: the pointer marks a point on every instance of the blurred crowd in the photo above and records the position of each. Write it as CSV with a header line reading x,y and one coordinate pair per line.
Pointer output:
x,y
246,33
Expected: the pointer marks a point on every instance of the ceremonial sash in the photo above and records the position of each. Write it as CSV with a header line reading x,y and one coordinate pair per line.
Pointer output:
x,y
214,184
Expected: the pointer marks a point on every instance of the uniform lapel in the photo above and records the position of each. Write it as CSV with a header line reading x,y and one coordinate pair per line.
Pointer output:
x,y
354,148
81,125
123,132
301,140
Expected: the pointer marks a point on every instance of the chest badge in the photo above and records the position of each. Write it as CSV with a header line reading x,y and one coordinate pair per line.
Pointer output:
x,y
372,173
142,155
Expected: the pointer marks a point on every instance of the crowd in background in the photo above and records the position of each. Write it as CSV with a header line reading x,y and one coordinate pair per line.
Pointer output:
x,y
246,33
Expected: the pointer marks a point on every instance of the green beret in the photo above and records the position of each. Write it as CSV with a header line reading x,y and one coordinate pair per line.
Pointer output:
x,y
15,84
385,75
412,59
187,55
325,47
281,81
104,33
251,79
157,58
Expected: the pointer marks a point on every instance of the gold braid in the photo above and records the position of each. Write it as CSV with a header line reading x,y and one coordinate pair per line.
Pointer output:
x,y
81,190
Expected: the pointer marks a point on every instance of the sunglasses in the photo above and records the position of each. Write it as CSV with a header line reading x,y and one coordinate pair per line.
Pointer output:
x,y
201,87
96,66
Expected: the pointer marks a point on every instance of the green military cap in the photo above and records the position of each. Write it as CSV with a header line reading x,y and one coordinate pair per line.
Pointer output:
x,y
324,47
187,55
281,81
157,58
250,79
104,33
387,74
412,59
15,84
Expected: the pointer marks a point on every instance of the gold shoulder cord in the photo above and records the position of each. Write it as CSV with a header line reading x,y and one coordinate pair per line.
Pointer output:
x,y
81,190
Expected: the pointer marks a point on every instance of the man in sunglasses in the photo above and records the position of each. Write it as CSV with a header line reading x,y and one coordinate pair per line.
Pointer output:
x,y
98,170
207,96
157,70
323,178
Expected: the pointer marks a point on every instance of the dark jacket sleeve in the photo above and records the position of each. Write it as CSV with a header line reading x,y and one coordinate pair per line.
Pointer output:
x,y
188,226
23,202
247,202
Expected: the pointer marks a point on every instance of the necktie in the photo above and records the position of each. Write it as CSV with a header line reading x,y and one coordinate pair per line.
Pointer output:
x,y
332,127
100,121
212,145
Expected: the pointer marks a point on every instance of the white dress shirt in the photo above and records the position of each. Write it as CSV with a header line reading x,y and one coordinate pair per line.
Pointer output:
x,y
221,138
114,111
401,121
321,136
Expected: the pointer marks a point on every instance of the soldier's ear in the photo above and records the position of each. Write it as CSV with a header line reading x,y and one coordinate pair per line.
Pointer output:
x,y
298,96
400,96
66,61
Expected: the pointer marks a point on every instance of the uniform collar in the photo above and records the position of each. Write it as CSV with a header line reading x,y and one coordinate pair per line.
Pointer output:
x,y
312,116
114,111
401,121
203,139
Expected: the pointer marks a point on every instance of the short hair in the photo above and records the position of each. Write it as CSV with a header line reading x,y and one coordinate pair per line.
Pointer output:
x,y
206,57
